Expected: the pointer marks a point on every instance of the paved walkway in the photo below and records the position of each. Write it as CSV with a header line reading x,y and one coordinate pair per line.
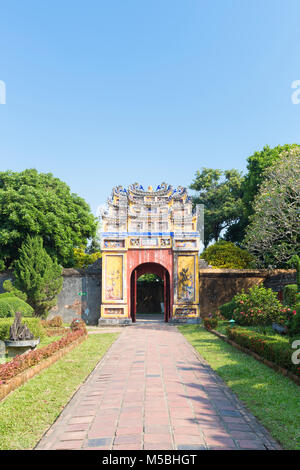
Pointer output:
x,y
151,391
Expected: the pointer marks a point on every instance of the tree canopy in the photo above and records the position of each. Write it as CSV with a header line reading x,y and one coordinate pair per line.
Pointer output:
x,y
37,275
220,192
273,235
33,203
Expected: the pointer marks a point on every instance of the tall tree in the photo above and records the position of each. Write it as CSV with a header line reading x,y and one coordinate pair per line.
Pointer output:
x,y
33,203
38,275
258,164
273,236
220,192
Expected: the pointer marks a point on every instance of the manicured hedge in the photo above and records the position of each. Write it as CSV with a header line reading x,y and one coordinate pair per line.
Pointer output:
x,y
224,254
34,325
10,303
289,294
6,309
259,306
273,348
226,310
22,362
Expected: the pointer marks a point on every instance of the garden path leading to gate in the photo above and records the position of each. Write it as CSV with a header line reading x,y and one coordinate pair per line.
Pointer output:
x,y
152,391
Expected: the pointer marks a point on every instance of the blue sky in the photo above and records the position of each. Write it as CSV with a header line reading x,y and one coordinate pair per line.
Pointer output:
x,y
102,93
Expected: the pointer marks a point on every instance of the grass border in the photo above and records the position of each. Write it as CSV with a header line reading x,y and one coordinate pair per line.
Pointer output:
x,y
269,396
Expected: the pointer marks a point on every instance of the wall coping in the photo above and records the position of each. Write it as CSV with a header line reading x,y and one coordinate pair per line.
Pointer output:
x,y
263,273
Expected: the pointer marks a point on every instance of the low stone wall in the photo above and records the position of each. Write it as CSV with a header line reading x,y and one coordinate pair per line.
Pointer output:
x,y
80,295
81,292
218,286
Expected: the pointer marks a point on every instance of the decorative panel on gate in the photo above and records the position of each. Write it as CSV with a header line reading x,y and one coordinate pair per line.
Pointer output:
x,y
186,278
156,229
114,277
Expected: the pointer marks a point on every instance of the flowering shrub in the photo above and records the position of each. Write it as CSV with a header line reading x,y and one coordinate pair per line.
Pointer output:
x,y
24,361
55,322
210,323
272,348
34,324
226,310
77,324
259,306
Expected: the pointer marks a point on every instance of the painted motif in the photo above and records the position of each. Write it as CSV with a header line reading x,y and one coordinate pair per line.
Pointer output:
x,y
186,279
114,243
114,278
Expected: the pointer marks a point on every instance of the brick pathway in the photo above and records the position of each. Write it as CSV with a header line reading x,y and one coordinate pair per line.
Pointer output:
x,y
151,391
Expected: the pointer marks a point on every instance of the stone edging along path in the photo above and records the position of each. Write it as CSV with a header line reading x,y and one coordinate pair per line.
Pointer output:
x,y
27,374
256,356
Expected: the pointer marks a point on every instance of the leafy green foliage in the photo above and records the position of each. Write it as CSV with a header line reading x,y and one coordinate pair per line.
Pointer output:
x,y
149,278
210,323
38,275
16,304
82,259
221,194
224,254
258,163
289,294
6,309
34,325
259,306
226,310
273,235
33,203
272,347
12,290
295,324
295,262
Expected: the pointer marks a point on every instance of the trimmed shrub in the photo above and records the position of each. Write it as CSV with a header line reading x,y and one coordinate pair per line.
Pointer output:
x,y
259,306
22,362
11,289
38,275
17,305
6,309
295,323
77,324
273,348
226,310
55,322
289,294
34,325
227,255
210,323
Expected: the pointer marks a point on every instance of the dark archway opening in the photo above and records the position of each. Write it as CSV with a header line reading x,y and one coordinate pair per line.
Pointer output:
x,y
150,294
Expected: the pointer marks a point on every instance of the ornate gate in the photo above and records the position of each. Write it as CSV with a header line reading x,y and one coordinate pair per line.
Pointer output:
x,y
150,232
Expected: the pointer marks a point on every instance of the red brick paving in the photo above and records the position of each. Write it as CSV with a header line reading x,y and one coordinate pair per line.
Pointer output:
x,y
151,391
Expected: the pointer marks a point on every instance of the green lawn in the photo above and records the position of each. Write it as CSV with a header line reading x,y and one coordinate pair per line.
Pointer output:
x,y
31,409
271,397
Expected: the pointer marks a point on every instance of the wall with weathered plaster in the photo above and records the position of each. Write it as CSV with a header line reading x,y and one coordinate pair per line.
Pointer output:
x,y
218,286
69,303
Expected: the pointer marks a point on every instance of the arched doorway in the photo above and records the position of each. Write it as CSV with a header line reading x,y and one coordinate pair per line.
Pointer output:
x,y
162,273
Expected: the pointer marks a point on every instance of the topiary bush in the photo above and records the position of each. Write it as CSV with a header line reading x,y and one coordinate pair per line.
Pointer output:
x,y
295,323
34,325
273,348
259,306
6,309
210,323
55,322
227,255
226,310
16,304
289,294
12,290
